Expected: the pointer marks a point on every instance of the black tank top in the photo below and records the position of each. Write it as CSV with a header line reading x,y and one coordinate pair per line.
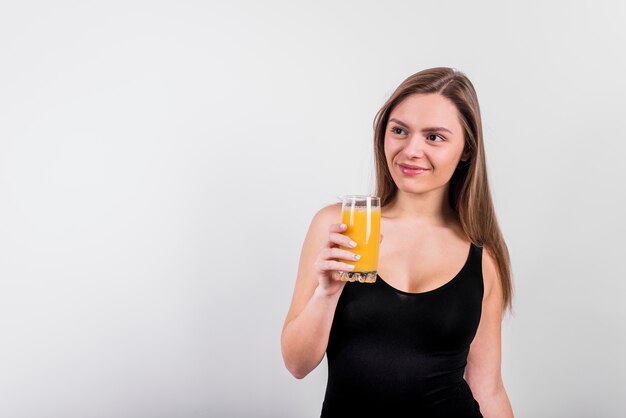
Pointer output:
x,y
398,354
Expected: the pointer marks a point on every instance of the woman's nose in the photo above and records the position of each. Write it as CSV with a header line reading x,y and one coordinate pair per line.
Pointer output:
x,y
415,146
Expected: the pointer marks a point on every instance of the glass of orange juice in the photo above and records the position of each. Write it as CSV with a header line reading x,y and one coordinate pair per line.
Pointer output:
x,y
361,214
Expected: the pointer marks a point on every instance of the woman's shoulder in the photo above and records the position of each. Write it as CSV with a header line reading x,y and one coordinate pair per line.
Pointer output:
x,y
319,226
491,276
323,219
328,214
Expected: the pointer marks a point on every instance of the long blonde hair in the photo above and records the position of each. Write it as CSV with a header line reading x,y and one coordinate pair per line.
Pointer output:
x,y
470,196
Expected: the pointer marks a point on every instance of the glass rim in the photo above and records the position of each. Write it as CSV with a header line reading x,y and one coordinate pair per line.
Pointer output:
x,y
358,197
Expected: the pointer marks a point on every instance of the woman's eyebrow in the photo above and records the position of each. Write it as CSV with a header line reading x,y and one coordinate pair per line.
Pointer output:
x,y
430,129
399,122
437,129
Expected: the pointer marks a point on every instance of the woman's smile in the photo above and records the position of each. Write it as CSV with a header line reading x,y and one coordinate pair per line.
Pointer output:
x,y
411,170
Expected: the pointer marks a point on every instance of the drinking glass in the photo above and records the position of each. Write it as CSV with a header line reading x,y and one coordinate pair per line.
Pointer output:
x,y
361,214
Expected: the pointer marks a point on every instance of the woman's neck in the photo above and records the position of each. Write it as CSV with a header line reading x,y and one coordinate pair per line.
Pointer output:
x,y
428,208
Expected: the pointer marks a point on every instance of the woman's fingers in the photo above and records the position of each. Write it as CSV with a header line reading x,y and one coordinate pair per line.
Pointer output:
x,y
338,254
328,260
332,265
337,238
338,227
340,239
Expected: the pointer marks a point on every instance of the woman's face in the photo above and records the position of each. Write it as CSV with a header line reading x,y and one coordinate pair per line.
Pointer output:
x,y
423,143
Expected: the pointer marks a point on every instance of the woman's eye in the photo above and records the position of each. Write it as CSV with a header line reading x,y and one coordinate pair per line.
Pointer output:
x,y
397,131
434,138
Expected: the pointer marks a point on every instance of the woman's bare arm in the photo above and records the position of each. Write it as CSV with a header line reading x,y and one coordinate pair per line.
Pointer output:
x,y
483,372
317,290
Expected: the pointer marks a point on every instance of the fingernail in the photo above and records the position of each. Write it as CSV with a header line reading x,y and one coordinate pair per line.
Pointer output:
x,y
352,244
342,226
356,256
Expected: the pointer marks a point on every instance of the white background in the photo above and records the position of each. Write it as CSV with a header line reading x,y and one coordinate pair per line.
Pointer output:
x,y
160,163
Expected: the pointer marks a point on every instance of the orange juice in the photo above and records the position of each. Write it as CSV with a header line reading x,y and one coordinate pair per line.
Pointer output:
x,y
363,223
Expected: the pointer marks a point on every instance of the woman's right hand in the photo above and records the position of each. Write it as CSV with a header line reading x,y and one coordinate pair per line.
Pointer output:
x,y
327,264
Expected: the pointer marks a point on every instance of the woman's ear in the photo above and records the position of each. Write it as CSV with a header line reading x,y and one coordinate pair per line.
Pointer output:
x,y
466,155
464,161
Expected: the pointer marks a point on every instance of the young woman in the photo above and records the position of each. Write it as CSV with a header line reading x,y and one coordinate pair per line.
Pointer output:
x,y
425,339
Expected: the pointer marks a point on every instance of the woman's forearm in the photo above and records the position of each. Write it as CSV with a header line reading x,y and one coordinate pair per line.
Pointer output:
x,y
495,405
305,337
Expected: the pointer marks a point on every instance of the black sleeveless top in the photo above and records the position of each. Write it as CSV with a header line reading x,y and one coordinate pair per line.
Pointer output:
x,y
398,354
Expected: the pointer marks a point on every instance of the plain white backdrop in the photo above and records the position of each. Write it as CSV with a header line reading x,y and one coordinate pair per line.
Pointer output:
x,y
160,163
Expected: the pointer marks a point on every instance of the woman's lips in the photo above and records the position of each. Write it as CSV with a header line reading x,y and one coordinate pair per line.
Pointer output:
x,y
410,170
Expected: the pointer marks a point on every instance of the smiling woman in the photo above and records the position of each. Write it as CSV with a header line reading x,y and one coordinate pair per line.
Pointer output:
x,y
425,340
424,129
